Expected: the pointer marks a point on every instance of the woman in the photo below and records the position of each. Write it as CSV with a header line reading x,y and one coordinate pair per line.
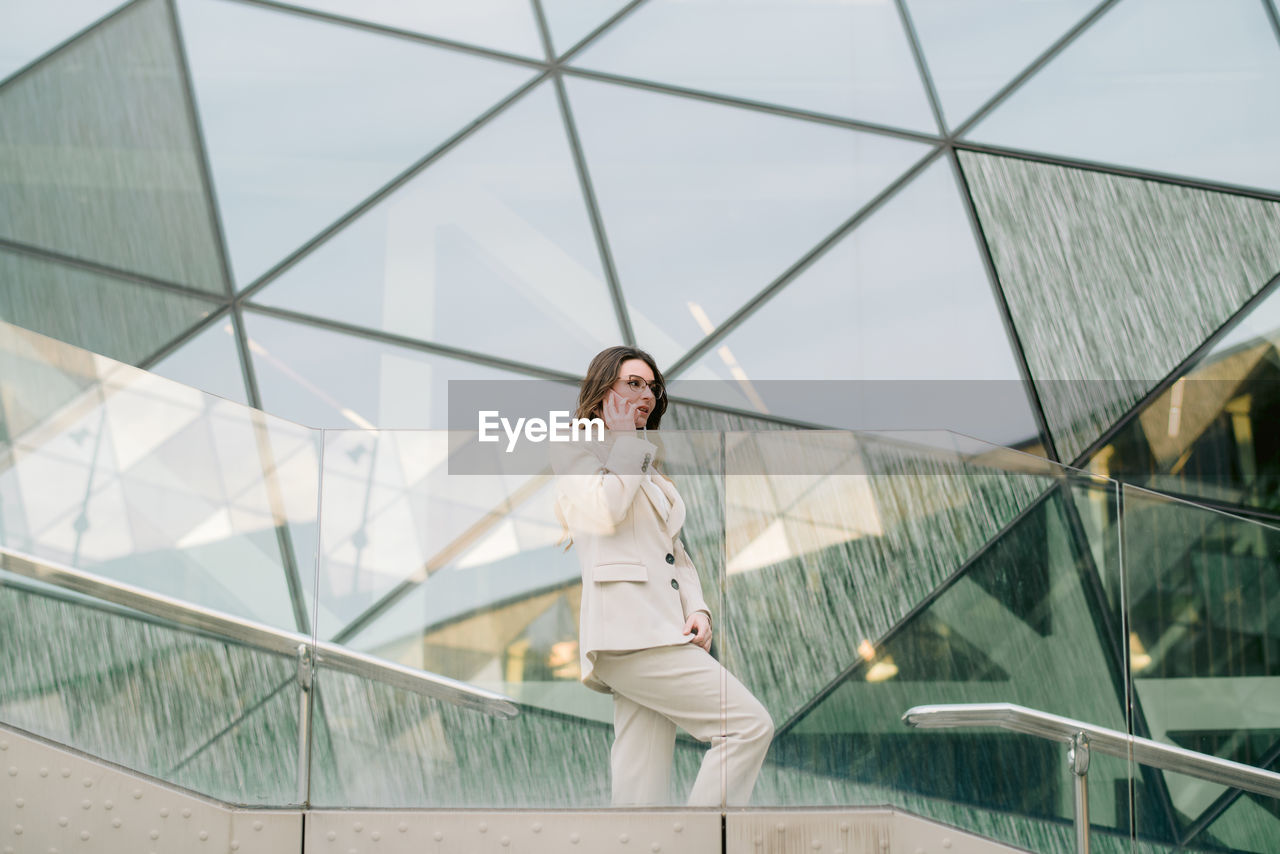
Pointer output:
x,y
645,633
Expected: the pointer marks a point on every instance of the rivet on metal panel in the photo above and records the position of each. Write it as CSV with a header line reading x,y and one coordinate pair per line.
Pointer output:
x,y
655,848
62,821
186,813
20,803
331,836
65,772
358,826
4,745
438,836
87,782
17,830
482,827
155,834
44,772
108,805
84,836
375,836
13,770
678,826
946,843
204,835
257,825
816,844
164,812
884,844
137,793
504,841
86,804
575,838
759,842
623,838
402,827
235,845
537,827
115,822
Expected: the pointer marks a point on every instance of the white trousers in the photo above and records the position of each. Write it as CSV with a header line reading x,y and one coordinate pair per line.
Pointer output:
x,y
658,689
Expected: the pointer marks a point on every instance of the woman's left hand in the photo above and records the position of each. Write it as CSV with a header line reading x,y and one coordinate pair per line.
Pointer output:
x,y
699,625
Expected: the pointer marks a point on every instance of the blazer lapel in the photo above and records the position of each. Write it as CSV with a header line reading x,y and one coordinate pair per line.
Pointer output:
x,y
673,517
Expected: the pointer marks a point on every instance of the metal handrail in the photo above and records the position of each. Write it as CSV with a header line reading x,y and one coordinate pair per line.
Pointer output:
x,y
258,635
1082,737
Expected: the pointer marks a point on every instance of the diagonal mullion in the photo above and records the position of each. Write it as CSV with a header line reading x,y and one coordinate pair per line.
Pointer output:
x,y
750,104
604,27
1038,63
593,212
387,189
1272,16
922,65
1002,305
802,264
67,42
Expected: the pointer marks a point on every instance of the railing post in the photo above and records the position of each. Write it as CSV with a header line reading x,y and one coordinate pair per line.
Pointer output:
x,y
306,672
1078,757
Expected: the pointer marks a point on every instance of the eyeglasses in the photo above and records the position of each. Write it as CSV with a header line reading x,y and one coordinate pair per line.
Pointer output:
x,y
635,384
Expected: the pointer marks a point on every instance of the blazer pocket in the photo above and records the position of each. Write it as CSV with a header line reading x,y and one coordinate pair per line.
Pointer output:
x,y
619,572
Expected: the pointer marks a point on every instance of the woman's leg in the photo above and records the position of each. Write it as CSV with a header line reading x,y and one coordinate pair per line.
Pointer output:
x,y
643,744
690,688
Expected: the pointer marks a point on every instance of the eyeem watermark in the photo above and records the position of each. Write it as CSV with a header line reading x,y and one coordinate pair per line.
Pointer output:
x,y
558,428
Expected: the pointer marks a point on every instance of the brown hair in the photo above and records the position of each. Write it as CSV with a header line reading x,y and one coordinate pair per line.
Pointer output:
x,y
602,373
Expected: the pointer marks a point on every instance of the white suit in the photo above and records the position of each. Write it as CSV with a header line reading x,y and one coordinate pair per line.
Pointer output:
x,y
638,589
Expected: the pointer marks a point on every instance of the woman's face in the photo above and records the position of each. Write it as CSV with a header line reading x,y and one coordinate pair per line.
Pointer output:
x,y
634,384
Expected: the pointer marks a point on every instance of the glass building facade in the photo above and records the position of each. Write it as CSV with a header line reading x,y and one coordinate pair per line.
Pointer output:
x,y
284,227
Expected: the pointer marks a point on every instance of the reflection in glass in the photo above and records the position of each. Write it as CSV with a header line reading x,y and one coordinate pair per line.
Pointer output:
x,y
975,48
145,481
835,536
209,362
116,318
489,249
844,58
1112,281
98,155
1021,622
506,25
1151,71
1209,434
298,138
704,204
31,29
875,307
330,379
1205,650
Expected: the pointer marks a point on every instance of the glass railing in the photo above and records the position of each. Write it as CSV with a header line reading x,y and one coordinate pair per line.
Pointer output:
x,y
851,576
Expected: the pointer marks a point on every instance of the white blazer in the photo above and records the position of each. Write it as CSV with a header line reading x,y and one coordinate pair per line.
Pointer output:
x,y
638,584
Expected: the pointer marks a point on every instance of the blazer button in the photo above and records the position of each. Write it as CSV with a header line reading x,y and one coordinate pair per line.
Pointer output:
x,y
671,558
675,584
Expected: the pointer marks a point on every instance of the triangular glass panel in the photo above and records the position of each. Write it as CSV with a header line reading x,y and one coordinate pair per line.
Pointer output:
x,y
329,379
848,59
209,362
505,25
297,139
570,21
489,249
1167,85
705,204
876,308
100,158
973,49
1093,264
115,318
32,29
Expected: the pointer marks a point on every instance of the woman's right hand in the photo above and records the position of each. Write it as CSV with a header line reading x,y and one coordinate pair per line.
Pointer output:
x,y
618,412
